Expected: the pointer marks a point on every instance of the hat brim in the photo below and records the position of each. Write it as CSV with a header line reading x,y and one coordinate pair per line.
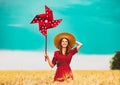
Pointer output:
x,y
60,36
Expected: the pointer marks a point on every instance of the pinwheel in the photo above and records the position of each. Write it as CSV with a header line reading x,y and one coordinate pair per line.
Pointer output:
x,y
46,21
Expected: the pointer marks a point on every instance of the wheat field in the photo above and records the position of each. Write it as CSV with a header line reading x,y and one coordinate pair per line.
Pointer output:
x,y
45,77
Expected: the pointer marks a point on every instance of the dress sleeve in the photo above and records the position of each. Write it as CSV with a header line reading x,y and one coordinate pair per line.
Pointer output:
x,y
74,50
54,60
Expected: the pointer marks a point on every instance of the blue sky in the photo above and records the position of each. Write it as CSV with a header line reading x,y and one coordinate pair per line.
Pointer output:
x,y
95,23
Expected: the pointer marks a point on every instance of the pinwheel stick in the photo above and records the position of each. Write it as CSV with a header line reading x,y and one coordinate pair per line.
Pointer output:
x,y
45,46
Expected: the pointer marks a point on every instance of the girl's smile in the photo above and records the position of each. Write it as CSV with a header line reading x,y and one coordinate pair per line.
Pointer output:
x,y
64,43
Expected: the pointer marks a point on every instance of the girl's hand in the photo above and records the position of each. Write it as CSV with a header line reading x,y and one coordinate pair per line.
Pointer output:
x,y
79,45
46,56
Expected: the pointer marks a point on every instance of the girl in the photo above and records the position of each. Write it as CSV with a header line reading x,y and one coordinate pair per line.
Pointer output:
x,y
62,58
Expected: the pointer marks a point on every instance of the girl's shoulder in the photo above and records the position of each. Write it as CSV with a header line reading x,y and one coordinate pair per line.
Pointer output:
x,y
73,49
57,52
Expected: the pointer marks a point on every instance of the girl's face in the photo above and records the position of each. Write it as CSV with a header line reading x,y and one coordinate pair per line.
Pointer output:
x,y
64,43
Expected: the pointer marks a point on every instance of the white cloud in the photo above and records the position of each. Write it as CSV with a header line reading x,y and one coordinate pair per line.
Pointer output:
x,y
91,62
83,2
29,60
15,25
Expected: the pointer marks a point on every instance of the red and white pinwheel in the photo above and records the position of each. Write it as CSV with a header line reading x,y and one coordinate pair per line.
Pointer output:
x,y
45,21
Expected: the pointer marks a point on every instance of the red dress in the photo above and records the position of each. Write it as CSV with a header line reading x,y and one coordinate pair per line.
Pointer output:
x,y
63,71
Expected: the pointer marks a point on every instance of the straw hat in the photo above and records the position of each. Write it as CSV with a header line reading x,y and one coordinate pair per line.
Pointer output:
x,y
69,36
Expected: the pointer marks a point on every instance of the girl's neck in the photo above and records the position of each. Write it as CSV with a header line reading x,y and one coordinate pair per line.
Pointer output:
x,y
63,51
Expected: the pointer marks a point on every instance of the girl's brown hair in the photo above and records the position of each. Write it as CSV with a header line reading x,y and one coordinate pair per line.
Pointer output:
x,y
67,48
